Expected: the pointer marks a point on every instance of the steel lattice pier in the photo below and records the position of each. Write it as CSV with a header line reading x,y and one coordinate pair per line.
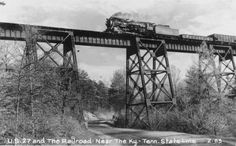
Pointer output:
x,y
217,67
36,53
149,82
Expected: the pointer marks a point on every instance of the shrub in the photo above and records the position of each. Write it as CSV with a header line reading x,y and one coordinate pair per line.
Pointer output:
x,y
120,122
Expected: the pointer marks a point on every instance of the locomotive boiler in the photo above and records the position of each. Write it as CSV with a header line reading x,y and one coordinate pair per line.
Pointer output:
x,y
117,24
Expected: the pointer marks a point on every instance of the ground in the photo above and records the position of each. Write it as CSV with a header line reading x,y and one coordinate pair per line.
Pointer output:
x,y
125,136
109,135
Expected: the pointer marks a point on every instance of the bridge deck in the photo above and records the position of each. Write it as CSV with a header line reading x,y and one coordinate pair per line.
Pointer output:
x,y
11,31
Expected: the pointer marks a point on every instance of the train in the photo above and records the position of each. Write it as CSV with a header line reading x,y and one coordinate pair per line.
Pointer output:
x,y
116,24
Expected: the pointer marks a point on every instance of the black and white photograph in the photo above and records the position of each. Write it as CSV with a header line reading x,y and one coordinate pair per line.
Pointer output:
x,y
118,72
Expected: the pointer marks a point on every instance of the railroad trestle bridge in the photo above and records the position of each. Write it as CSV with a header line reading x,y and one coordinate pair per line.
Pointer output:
x,y
148,76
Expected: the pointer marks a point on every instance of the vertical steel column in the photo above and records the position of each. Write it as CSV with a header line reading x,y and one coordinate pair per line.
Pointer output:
x,y
154,87
30,48
69,46
169,73
70,65
149,81
144,87
219,81
127,90
29,67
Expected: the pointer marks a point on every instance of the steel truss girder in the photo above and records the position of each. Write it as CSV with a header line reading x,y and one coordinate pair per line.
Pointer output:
x,y
148,82
217,67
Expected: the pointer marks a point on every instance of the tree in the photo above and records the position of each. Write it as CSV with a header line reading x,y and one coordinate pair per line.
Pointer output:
x,y
203,113
102,90
31,96
117,90
102,94
175,74
87,89
10,54
118,80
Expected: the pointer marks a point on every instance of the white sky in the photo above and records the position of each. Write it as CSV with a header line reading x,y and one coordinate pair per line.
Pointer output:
x,y
201,17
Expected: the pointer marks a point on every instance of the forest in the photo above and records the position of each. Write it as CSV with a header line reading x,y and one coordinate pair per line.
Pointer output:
x,y
43,102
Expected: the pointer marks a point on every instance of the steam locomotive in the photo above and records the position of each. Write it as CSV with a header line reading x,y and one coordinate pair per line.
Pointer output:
x,y
116,24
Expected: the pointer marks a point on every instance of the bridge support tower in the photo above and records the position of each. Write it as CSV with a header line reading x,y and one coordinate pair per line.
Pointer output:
x,y
61,54
149,85
217,67
47,59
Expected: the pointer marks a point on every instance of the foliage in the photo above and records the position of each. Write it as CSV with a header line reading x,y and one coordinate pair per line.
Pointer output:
x,y
94,95
120,121
56,112
52,103
102,94
32,97
117,90
175,74
118,80
9,56
200,109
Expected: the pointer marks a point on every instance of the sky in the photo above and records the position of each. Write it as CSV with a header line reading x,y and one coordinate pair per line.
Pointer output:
x,y
199,17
